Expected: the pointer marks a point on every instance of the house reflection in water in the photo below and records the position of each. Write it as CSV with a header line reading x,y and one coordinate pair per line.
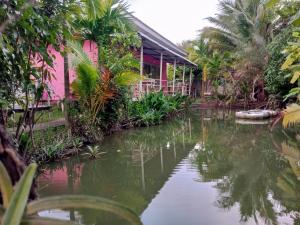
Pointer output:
x,y
131,173
61,181
188,172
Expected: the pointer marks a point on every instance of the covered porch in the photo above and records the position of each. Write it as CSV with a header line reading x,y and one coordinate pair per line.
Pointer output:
x,y
156,55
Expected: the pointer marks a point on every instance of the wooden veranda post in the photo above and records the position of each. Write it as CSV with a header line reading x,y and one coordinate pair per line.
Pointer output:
x,y
141,70
174,76
161,70
190,87
183,80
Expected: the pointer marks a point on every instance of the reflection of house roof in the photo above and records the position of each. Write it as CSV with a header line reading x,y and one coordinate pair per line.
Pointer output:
x,y
154,44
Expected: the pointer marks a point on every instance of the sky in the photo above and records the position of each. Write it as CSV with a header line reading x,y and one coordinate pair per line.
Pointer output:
x,y
177,20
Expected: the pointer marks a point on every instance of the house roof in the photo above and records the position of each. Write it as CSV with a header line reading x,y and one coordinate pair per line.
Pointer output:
x,y
154,44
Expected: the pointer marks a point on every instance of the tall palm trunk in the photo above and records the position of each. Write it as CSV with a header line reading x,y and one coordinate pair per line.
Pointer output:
x,y
67,88
66,78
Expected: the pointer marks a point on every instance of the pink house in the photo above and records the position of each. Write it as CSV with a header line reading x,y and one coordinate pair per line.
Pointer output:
x,y
56,85
155,54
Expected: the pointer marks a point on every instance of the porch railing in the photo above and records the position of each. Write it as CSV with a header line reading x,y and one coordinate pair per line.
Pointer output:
x,y
168,87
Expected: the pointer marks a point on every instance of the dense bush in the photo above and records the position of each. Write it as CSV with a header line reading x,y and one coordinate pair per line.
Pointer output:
x,y
155,107
276,81
82,126
121,112
115,111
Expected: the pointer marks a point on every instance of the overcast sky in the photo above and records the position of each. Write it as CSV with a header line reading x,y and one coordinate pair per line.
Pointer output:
x,y
177,20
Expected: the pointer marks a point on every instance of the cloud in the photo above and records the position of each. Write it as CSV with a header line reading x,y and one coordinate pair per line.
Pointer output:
x,y
177,20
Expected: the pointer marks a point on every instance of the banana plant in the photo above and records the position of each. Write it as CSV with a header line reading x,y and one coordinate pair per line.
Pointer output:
x,y
16,210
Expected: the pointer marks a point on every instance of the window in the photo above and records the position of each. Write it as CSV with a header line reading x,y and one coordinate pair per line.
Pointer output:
x,y
151,71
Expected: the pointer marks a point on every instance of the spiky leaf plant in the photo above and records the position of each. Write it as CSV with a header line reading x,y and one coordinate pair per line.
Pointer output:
x,y
93,152
16,210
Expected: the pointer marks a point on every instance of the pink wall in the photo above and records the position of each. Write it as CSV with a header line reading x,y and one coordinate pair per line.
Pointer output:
x,y
56,85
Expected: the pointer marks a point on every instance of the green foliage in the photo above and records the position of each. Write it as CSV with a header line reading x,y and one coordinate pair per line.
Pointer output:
x,y
5,186
18,211
25,62
52,144
53,151
93,152
276,81
26,41
18,201
234,50
117,66
292,63
88,74
291,114
85,84
115,36
126,79
155,107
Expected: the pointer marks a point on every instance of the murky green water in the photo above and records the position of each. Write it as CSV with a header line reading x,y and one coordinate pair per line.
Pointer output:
x,y
203,169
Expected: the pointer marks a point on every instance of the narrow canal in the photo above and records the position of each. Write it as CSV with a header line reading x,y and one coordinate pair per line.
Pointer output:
x,y
202,169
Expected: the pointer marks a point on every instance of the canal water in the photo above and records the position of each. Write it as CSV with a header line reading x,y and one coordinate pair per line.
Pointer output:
x,y
202,169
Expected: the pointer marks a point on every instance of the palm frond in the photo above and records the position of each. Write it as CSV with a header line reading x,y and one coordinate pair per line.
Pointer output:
x,y
291,115
93,9
219,23
78,54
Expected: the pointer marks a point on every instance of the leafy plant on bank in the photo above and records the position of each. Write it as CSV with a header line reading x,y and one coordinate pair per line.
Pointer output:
x,y
99,92
93,152
16,209
155,107
54,144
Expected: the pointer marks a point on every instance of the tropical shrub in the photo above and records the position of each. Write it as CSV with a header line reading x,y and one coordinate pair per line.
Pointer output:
x,y
101,92
243,28
154,107
292,63
292,113
116,110
101,87
276,80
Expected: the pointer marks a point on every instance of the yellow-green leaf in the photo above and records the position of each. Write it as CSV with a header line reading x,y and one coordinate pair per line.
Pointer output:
x,y
14,213
295,77
291,115
6,186
128,78
271,3
288,62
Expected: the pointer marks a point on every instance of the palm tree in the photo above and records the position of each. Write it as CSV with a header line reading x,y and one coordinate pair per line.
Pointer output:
x,y
243,27
117,66
72,11
112,23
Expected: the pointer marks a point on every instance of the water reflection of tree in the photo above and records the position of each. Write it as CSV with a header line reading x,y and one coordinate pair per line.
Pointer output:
x,y
248,170
118,175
